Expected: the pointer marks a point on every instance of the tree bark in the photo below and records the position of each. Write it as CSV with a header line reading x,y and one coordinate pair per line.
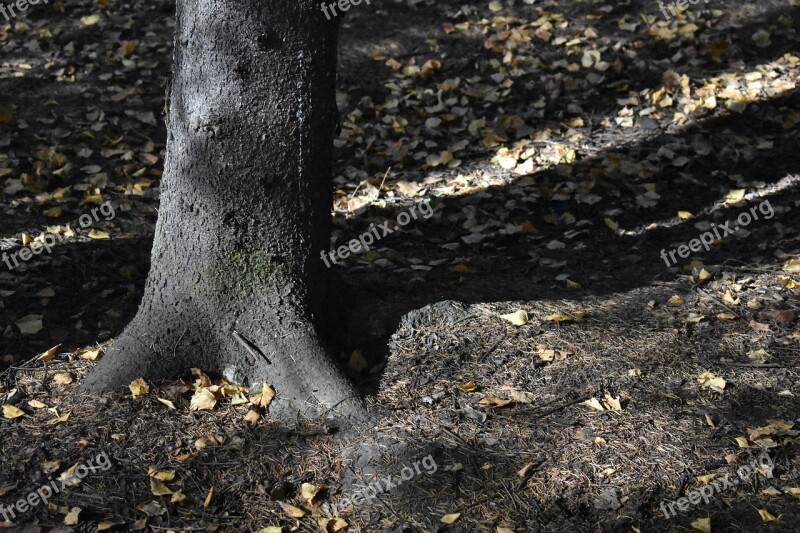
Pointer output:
x,y
237,284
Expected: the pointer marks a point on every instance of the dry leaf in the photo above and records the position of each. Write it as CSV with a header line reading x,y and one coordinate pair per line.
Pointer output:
x,y
203,399
518,318
292,511
702,524
158,488
450,518
49,354
10,412
72,517
212,493
139,387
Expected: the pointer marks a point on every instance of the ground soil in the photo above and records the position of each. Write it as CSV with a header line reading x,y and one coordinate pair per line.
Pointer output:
x,y
611,409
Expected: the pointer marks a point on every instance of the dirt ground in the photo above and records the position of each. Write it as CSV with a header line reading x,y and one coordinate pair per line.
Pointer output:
x,y
562,147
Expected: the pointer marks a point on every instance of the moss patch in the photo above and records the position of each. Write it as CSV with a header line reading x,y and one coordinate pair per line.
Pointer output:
x,y
246,271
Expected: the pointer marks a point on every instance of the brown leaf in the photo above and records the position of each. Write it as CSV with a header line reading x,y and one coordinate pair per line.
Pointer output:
x,y
781,316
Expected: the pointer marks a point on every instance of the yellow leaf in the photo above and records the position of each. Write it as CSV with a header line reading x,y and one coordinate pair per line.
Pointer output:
x,y
758,356
702,524
357,361
166,402
59,420
676,299
161,475
729,298
450,518
766,516
460,268
129,47
62,378
11,412
735,196
203,399
793,266
292,511
107,525
709,380
312,493
139,387
706,479
685,215
742,442
332,525
593,403
470,386
90,355
518,318
158,488
212,493
49,354
55,212
557,318
99,235
72,517
794,491
90,20
497,402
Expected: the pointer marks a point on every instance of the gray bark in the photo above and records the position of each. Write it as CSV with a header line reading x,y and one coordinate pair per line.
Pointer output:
x,y
236,284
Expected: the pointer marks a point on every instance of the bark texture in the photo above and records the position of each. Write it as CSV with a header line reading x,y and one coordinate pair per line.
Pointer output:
x,y
237,284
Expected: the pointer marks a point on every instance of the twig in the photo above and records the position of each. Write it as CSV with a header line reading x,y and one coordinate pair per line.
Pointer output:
x,y
717,301
250,347
554,409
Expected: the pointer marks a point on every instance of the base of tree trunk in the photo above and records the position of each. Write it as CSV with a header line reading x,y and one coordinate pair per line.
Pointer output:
x,y
294,362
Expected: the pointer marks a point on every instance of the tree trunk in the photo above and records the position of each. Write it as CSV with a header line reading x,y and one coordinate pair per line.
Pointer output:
x,y
237,284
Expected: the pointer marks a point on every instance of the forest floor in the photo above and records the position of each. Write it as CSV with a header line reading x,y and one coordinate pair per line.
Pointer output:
x,y
527,345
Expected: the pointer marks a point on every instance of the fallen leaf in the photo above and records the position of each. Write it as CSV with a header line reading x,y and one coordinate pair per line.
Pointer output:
x,y
517,318
158,488
49,354
357,361
10,412
203,399
30,324
450,518
470,386
212,493
495,402
758,356
558,318
72,517
312,493
139,387
161,475
710,381
766,516
62,378
292,511
702,524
